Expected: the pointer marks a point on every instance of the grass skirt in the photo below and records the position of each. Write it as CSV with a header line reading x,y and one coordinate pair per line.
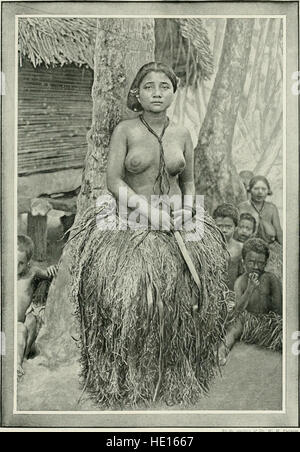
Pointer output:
x,y
141,339
264,330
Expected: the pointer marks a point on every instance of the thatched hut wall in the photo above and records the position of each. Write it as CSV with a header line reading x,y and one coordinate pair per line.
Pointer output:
x,y
54,115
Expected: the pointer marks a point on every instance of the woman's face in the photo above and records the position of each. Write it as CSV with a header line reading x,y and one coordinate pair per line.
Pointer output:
x,y
156,92
259,191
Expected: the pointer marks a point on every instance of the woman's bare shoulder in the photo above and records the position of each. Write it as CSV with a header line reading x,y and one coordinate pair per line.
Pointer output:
x,y
126,125
270,205
180,131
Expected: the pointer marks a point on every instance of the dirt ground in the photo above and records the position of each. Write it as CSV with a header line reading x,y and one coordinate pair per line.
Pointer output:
x,y
251,380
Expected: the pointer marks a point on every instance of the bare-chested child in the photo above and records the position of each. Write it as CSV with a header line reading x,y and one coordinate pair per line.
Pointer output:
x,y
226,217
29,315
246,228
257,292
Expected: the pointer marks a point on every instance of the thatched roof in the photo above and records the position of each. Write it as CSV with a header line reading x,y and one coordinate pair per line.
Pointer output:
x,y
57,41
194,32
181,43
184,45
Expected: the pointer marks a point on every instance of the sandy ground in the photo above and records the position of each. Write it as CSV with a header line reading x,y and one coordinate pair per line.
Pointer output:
x,y
251,380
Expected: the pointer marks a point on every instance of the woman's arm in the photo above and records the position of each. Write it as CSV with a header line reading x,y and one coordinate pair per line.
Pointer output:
x,y
186,178
116,164
277,225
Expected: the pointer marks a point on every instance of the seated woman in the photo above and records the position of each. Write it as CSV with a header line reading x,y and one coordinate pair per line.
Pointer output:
x,y
267,219
151,302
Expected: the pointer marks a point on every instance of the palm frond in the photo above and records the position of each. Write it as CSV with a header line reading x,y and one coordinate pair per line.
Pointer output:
x,y
184,45
57,41
194,31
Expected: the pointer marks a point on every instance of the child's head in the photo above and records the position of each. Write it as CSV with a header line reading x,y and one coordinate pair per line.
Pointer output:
x,y
259,188
226,217
255,255
25,252
246,227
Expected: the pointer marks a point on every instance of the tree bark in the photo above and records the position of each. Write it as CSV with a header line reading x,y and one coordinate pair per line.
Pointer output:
x,y
216,177
122,47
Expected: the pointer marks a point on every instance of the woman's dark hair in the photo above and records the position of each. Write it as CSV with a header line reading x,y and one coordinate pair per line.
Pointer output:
x,y
263,179
247,216
132,101
259,246
227,210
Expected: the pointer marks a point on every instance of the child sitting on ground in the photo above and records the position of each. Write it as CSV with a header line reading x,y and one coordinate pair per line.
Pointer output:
x,y
31,295
257,317
246,228
226,217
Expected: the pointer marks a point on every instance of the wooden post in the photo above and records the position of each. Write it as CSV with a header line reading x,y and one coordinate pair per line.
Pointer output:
x,y
37,231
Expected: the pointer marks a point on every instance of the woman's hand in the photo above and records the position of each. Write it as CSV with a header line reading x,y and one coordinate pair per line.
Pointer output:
x,y
181,217
161,220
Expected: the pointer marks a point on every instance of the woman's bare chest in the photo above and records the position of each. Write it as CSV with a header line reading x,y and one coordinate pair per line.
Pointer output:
x,y
144,152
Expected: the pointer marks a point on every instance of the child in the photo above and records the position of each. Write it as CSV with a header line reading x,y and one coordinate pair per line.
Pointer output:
x,y
30,312
226,217
246,228
267,219
258,307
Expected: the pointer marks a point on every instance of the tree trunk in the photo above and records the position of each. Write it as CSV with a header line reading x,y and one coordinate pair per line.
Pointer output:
x,y
216,176
122,47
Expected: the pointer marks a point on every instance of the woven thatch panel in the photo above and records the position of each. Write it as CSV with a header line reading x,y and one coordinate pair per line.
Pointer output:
x,y
55,113
57,41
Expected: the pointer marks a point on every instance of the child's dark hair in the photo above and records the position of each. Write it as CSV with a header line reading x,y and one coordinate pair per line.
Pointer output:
x,y
259,246
263,179
248,217
227,210
132,101
26,244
